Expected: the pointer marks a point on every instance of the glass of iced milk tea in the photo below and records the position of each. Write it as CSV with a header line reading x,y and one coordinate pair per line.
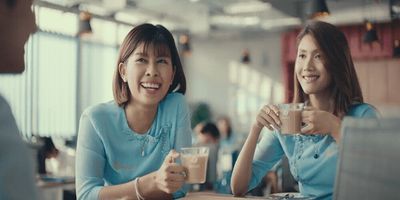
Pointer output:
x,y
290,116
194,160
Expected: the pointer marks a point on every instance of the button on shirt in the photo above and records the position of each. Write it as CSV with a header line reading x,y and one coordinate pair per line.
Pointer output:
x,y
312,158
110,153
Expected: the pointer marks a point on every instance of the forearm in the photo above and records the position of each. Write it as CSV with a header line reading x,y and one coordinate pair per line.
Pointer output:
x,y
146,187
121,191
242,171
149,190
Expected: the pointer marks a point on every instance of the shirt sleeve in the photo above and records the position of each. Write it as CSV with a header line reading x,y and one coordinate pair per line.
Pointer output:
x,y
90,160
369,112
268,152
183,137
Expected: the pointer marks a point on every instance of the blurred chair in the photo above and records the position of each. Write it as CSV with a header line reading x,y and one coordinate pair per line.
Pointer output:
x,y
289,184
369,160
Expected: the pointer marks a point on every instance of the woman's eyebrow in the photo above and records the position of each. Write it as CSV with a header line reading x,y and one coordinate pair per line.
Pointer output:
x,y
312,51
141,53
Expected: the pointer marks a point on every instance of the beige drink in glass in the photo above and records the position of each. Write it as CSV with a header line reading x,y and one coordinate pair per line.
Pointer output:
x,y
194,160
290,116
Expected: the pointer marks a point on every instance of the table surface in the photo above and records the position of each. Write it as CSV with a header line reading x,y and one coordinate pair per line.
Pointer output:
x,y
54,181
215,196
209,195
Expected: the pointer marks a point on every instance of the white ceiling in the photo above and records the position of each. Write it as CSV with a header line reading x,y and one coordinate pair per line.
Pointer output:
x,y
205,16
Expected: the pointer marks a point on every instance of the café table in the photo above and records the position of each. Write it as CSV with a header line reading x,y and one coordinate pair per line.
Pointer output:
x,y
53,188
215,196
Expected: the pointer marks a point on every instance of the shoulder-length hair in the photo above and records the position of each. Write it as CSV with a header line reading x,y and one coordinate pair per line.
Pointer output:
x,y
228,122
163,42
345,88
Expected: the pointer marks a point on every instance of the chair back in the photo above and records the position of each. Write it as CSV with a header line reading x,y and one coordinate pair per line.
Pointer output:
x,y
369,160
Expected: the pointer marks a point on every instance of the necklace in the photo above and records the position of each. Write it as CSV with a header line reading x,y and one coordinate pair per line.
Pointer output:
x,y
145,140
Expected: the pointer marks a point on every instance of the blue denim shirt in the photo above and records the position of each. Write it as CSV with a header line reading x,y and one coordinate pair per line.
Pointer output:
x,y
312,158
110,153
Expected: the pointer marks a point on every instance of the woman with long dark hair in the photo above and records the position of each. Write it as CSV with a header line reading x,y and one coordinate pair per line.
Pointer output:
x,y
326,81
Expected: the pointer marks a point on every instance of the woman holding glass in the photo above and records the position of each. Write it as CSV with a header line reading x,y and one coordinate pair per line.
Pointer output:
x,y
326,81
126,147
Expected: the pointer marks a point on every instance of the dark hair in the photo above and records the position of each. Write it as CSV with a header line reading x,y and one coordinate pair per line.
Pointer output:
x,y
48,145
210,129
163,42
345,88
228,122
10,3
44,152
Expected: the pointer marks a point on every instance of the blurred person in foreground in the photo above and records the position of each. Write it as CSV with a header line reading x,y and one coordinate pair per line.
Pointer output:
x,y
325,80
17,22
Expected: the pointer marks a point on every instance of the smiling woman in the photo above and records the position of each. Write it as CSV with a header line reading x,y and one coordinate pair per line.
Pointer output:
x,y
126,147
326,81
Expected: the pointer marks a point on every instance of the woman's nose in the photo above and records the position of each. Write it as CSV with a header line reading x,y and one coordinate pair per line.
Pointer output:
x,y
308,65
152,70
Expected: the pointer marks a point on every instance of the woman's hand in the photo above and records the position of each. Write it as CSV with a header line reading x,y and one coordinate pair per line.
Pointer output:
x,y
268,117
320,122
170,176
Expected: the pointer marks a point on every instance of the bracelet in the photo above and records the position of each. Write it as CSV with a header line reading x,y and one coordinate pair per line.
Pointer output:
x,y
138,195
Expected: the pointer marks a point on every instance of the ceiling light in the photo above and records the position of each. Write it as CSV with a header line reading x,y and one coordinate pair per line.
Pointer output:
x,y
184,45
132,17
84,23
318,8
245,59
247,7
235,20
371,35
396,49
281,22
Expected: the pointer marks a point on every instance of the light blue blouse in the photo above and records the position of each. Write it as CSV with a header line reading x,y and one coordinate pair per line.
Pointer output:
x,y
110,153
312,158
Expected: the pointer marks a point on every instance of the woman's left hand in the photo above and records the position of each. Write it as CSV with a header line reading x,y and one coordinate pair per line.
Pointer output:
x,y
320,122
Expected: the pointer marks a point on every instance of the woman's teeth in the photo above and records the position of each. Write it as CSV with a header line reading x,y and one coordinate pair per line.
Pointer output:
x,y
310,78
151,85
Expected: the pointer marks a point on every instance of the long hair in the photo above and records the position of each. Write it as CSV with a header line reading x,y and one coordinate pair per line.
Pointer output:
x,y
344,88
163,42
228,122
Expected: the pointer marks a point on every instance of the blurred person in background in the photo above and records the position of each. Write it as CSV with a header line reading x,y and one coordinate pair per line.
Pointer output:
x,y
46,151
55,159
225,129
17,22
325,80
197,131
208,133
209,136
227,154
